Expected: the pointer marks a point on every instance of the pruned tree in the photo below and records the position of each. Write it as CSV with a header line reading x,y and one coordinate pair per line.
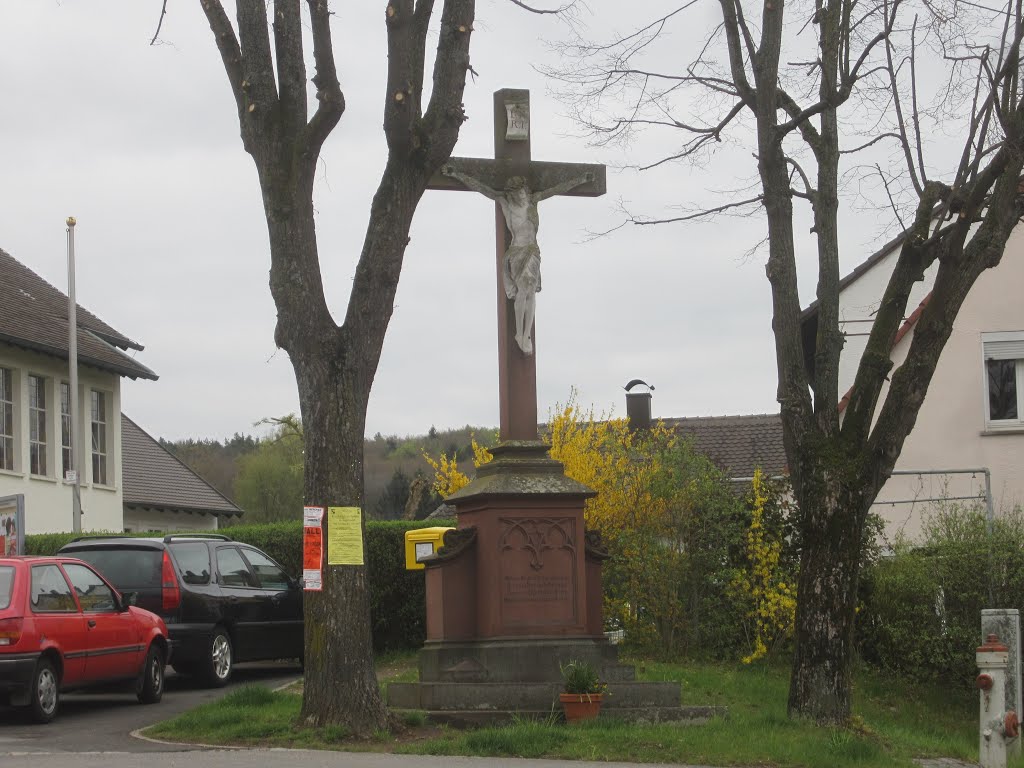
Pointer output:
x,y
816,87
264,58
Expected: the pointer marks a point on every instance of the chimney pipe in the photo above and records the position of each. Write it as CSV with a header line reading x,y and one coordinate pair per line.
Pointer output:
x,y
638,405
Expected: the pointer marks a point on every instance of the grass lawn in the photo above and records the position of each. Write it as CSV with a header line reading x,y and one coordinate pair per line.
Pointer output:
x,y
894,722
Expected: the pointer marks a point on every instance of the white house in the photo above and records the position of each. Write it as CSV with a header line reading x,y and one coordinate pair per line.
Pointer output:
x,y
35,423
973,416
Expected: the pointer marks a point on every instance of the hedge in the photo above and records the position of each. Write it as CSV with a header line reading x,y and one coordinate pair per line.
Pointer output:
x,y
397,596
921,607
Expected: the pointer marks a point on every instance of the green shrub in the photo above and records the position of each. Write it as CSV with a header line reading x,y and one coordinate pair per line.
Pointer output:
x,y
921,607
397,596
580,677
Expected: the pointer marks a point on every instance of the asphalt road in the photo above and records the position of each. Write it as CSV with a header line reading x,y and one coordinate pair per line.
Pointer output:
x,y
103,722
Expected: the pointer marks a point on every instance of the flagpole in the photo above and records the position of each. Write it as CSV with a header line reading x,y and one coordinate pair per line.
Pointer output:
x,y
76,498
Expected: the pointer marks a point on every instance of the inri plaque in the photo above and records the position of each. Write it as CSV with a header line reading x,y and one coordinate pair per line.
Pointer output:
x,y
518,124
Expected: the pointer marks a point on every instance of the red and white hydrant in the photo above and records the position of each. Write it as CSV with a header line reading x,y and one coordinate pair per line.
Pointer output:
x,y
998,726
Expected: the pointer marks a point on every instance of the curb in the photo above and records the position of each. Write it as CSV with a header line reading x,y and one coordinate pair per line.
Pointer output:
x,y
186,745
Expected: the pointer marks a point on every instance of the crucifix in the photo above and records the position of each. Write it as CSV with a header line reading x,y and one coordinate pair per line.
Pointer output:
x,y
516,184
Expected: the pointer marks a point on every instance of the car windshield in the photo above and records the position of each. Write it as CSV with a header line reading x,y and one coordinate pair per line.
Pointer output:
x,y
124,567
6,585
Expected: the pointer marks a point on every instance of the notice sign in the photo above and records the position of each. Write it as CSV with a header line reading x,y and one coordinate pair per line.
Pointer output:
x,y
312,548
344,536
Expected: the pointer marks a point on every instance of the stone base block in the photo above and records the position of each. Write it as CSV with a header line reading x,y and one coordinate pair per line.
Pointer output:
x,y
525,660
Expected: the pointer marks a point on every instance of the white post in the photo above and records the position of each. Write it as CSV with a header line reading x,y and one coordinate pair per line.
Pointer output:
x,y
76,497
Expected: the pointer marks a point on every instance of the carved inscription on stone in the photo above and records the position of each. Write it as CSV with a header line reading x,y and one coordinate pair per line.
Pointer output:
x,y
538,572
518,125
536,588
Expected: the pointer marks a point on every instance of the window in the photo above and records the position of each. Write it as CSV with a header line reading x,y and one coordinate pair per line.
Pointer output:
x,y
267,571
50,592
99,438
65,426
93,594
127,568
6,419
37,425
232,569
6,585
1004,379
193,561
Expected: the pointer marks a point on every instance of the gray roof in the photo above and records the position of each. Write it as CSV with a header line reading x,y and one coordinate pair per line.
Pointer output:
x,y
737,444
34,315
153,478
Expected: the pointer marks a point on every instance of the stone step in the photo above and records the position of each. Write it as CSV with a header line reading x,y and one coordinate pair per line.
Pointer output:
x,y
522,696
476,718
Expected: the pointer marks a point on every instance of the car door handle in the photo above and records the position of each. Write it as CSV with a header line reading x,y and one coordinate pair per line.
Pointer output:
x,y
92,623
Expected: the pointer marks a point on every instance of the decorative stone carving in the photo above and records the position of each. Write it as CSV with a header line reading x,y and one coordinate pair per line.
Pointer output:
x,y
536,536
455,542
594,548
521,272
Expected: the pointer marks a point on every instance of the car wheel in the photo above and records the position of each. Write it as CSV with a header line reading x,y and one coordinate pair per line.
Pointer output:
x,y
150,688
220,661
45,692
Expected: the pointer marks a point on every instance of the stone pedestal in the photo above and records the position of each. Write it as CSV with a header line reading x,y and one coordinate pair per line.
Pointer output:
x,y
514,593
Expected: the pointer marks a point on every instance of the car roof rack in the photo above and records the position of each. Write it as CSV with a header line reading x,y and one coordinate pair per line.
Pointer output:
x,y
103,536
217,536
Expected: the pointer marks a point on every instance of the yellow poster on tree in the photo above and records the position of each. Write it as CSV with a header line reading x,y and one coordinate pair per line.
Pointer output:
x,y
344,536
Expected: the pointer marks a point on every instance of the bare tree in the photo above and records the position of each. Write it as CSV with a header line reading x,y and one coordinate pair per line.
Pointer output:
x,y
839,72
335,364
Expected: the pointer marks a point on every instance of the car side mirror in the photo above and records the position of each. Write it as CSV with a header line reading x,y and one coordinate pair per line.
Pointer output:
x,y
128,599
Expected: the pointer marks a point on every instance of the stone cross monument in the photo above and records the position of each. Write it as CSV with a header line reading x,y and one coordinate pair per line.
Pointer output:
x,y
515,591
517,184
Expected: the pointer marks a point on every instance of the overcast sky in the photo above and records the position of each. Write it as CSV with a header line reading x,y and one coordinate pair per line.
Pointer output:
x,y
141,144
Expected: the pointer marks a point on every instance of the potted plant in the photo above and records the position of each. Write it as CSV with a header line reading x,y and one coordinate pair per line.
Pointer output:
x,y
583,691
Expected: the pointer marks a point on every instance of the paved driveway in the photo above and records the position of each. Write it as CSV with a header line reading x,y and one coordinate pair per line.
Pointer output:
x,y
92,722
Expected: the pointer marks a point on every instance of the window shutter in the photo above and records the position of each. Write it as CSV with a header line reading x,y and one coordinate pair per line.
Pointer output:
x,y
1004,350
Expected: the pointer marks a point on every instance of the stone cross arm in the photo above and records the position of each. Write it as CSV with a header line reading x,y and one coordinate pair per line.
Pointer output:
x,y
538,174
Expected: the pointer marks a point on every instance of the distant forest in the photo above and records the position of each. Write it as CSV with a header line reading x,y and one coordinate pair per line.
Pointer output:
x,y
263,476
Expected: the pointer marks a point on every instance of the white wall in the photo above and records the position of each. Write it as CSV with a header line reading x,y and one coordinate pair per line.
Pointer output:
x,y
857,306
47,500
950,431
168,522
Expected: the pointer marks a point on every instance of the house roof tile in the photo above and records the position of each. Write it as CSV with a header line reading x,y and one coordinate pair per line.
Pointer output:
x,y
153,478
34,315
737,444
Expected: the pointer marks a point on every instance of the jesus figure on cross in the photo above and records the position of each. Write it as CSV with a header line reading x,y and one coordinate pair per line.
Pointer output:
x,y
522,257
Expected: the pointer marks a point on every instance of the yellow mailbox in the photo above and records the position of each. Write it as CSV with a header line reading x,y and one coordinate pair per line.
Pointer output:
x,y
421,543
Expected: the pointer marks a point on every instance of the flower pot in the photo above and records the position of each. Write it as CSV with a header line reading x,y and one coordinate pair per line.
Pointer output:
x,y
580,706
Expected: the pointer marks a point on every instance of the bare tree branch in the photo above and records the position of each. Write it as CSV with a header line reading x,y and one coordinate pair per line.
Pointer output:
x,y
330,100
160,22
531,9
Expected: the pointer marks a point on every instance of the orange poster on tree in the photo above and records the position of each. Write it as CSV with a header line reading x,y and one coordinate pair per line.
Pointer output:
x,y
312,548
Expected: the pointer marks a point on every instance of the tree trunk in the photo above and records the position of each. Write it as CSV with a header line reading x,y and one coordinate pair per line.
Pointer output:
x,y
332,399
338,638
829,569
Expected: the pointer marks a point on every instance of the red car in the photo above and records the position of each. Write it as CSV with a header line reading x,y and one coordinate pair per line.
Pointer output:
x,y
62,626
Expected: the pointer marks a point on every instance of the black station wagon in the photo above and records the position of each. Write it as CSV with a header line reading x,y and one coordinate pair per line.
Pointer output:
x,y
223,601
